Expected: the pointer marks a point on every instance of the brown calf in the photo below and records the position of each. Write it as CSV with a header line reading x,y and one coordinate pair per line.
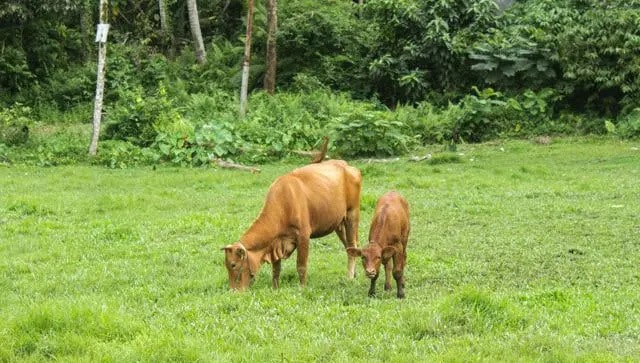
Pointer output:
x,y
388,238
309,202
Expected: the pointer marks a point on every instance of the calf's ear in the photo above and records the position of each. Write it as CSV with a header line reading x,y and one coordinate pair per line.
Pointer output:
x,y
241,252
388,252
354,252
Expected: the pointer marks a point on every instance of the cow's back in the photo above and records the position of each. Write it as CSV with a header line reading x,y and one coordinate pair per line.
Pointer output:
x,y
324,192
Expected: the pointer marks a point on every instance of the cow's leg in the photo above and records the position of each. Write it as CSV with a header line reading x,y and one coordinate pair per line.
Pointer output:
x,y
341,231
276,266
398,275
387,276
372,288
303,255
351,229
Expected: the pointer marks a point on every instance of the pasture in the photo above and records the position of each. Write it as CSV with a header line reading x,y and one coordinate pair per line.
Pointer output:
x,y
518,252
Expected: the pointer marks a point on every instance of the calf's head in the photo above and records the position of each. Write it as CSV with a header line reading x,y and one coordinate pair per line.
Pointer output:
x,y
372,256
236,260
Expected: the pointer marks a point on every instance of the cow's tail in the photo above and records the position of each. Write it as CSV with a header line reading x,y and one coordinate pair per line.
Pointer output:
x,y
320,155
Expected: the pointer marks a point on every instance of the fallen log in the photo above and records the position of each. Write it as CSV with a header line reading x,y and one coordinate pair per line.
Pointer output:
x,y
369,161
229,165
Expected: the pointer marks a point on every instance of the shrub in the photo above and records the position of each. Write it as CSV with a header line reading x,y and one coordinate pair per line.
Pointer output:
x,y
366,132
489,114
139,118
117,154
629,127
429,124
215,140
14,125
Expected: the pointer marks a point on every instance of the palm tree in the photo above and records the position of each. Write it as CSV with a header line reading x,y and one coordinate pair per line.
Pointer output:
x,y
272,28
194,24
246,61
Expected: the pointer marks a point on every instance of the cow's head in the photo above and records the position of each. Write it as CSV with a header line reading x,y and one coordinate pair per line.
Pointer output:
x,y
372,256
236,260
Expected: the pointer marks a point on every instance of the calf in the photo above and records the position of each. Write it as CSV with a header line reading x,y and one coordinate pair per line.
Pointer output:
x,y
388,238
309,202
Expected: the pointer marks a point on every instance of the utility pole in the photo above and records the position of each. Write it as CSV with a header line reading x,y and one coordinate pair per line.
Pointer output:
x,y
101,39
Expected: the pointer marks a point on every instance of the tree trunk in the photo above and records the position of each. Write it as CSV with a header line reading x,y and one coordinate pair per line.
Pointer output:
x,y
246,61
165,28
194,24
162,9
272,29
102,60
86,27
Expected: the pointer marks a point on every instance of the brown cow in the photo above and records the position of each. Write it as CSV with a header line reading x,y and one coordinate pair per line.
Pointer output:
x,y
388,238
309,202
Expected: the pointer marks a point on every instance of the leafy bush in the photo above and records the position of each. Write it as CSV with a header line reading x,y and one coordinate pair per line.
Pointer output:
x,y
14,70
69,88
489,114
590,45
629,127
430,124
324,40
366,132
60,149
14,125
198,148
139,118
417,46
117,154
286,122
511,61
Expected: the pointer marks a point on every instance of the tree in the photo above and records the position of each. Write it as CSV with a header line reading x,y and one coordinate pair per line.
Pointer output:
x,y
194,24
272,28
86,27
102,60
246,61
165,27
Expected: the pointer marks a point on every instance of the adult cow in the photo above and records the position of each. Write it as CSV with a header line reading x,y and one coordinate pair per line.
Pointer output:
x,y
309,202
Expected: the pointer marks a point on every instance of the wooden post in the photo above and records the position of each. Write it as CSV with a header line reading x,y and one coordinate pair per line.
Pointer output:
x,y
246,61
101,38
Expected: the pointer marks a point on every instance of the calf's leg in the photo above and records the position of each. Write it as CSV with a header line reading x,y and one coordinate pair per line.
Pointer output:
x,y
398,273
276,266
372,288
387,276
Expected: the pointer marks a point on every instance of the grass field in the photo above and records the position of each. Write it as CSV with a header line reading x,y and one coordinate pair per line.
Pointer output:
x,y
518,252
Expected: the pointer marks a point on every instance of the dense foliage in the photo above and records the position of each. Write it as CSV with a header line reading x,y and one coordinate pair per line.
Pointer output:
x,y
379,78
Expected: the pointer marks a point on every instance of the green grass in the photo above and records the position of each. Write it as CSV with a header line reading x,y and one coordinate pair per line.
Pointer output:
x,y
518,252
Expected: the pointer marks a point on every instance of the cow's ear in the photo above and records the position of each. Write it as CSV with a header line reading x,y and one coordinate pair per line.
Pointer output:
x,y
354,252
388,252
226,248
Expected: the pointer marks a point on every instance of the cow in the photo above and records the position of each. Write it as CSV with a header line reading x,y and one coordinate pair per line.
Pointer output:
x,y
388,238
309,202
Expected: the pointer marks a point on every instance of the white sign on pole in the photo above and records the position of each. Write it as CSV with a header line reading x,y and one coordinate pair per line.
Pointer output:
x,y
101,33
